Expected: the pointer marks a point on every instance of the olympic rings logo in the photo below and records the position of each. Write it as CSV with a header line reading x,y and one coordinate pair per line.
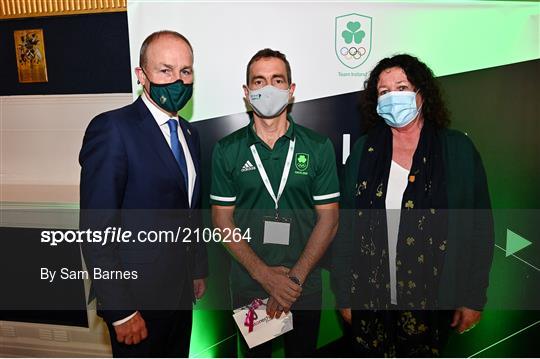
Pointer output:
x,y
352,52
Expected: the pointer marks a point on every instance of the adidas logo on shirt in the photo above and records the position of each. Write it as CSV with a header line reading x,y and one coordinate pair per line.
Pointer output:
x,y
248,167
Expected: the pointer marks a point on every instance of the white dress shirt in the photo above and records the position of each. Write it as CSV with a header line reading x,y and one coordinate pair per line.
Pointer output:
x,y
397,183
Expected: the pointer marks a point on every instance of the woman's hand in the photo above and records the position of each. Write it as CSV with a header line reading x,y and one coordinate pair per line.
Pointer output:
x,y
465,319
199,287
346,314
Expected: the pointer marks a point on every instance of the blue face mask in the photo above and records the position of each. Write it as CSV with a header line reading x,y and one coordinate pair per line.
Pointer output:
x,y
398,108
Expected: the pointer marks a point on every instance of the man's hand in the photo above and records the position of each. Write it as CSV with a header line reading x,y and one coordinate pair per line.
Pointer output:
x,y
274,309
276,283
132,331
465,319
199,287
346,314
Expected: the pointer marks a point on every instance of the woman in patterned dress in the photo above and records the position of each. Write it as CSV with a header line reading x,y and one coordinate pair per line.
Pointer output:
x,y
415,246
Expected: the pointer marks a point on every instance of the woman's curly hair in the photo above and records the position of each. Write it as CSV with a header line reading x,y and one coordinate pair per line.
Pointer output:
x,y
420,76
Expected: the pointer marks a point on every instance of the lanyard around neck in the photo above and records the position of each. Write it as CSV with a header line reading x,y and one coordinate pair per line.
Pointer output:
x,y
284,176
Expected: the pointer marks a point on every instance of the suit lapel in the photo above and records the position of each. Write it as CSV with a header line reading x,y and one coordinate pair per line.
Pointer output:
x,y
193,151
159,144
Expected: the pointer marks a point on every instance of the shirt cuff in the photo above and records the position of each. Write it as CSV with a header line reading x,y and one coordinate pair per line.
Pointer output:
x,y
122,321
326,198
222,201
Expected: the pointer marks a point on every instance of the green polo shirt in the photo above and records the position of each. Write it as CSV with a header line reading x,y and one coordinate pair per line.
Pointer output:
x,y
236,182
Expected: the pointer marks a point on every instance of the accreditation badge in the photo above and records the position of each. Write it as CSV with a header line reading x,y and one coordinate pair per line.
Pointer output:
x,y
276,230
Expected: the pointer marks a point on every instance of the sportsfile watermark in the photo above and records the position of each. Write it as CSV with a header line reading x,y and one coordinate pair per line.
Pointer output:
x,y
112,235
442,258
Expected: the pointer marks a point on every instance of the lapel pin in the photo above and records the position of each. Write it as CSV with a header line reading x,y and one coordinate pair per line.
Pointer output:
x,y
189,132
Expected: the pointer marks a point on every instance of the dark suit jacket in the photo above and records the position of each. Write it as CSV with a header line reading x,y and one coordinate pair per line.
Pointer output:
x,y
131,180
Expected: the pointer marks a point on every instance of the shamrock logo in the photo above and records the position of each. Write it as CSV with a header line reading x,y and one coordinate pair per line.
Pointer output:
x,y
353,40
302,161
353,32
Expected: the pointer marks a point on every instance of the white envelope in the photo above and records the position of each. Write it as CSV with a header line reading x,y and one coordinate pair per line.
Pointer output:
x,y
264,328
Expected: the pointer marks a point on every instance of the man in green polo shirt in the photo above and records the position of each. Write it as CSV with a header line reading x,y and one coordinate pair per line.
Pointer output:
x,y
278,179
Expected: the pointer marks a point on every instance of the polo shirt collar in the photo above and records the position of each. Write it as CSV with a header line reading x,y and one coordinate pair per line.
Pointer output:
x,y
252,137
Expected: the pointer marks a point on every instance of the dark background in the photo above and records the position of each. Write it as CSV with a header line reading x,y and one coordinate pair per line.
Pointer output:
x,y
85,54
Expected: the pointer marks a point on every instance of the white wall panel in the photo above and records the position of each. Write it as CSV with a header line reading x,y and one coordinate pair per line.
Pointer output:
x,y
40,139
450,36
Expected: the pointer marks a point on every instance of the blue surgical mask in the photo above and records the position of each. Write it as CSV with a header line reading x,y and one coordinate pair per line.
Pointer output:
x,y
398,108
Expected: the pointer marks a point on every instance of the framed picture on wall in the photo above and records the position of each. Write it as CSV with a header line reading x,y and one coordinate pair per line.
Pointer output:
x,y
30,52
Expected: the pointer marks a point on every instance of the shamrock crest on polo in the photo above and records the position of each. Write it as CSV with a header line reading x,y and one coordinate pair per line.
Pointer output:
x,y
301,163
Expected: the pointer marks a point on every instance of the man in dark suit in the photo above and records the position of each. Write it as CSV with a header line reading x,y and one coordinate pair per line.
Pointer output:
x,y
140,172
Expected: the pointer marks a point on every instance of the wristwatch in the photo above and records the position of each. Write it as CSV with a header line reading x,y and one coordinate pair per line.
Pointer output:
x,y
295,280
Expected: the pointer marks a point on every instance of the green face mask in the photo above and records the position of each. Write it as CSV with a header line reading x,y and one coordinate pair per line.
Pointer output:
x,y
171,97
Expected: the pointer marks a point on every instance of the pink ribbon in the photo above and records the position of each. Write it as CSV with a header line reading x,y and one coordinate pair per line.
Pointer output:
x,y
251,315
